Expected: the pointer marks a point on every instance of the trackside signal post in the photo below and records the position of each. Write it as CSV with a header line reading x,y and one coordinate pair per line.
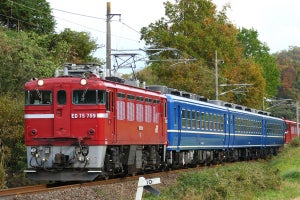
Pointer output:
x,y
146,184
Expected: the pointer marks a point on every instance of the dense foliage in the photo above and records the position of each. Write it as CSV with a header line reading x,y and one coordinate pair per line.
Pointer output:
x,y
289,64
29,48
253,48
21,58
30,16
12,152
196,30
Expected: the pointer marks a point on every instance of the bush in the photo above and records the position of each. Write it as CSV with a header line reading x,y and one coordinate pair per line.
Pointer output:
x,y
2,177
237,181
295,142
13,154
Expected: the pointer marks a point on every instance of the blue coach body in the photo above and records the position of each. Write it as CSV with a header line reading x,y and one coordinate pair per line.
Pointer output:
x,y
197,125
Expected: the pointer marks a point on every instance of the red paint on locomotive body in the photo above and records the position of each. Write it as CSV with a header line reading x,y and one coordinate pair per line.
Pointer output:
x,y
291,131
61,111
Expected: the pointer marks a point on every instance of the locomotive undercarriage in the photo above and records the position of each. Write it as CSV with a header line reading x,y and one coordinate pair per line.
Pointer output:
x,y
127,160
133,159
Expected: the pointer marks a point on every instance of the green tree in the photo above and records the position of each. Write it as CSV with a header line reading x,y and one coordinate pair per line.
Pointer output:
x,y
21,59
27,55
78,47
30,15
197,30
286,111
13,155
255,49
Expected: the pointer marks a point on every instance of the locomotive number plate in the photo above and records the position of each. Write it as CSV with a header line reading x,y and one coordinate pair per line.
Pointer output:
x,y
83,115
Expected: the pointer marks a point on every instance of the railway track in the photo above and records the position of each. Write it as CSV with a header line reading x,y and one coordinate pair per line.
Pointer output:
x,y
19,191
22,190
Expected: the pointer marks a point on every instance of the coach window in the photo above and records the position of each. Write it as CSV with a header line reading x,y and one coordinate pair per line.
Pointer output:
x,y
183,118
198,120
219,122
222,122
207,121
202,120
193,119
61,97
189,116
252,126
215,122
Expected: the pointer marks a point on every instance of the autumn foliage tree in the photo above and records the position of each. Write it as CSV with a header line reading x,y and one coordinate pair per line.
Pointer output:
x,y
255,49
197,30
289,65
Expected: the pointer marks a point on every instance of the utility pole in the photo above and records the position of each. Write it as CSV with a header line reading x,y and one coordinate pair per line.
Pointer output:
x,y
216,75
108,38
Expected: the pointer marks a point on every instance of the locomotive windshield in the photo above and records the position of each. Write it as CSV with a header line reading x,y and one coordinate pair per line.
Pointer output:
x,y
38,97
89,96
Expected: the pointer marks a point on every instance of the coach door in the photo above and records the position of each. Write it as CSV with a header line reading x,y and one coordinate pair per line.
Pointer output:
x,y
181,113
229,121
263,132
61,109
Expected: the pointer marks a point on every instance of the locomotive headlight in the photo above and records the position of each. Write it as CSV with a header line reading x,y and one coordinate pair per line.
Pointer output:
x,y
40,82
81,158
33,151
83,81
85,151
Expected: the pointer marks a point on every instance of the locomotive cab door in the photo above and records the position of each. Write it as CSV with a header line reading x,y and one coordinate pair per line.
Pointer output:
x,y
111,119
61,109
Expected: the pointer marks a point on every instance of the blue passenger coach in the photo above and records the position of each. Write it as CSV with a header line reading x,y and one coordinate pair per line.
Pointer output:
x,y
221,131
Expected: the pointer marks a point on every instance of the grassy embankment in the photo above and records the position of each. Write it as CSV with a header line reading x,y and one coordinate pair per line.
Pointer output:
x,y
277,178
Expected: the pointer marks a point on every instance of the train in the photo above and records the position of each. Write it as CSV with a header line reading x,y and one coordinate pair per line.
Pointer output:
x,y
291,130
80,126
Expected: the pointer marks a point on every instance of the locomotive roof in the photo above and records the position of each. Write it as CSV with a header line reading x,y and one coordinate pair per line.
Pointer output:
x,y
93,82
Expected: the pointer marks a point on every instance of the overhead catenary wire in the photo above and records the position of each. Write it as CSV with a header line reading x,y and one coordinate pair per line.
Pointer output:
x,y
97,30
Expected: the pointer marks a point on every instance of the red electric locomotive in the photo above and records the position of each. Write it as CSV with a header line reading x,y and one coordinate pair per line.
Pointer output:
x,y
79,126
291,130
